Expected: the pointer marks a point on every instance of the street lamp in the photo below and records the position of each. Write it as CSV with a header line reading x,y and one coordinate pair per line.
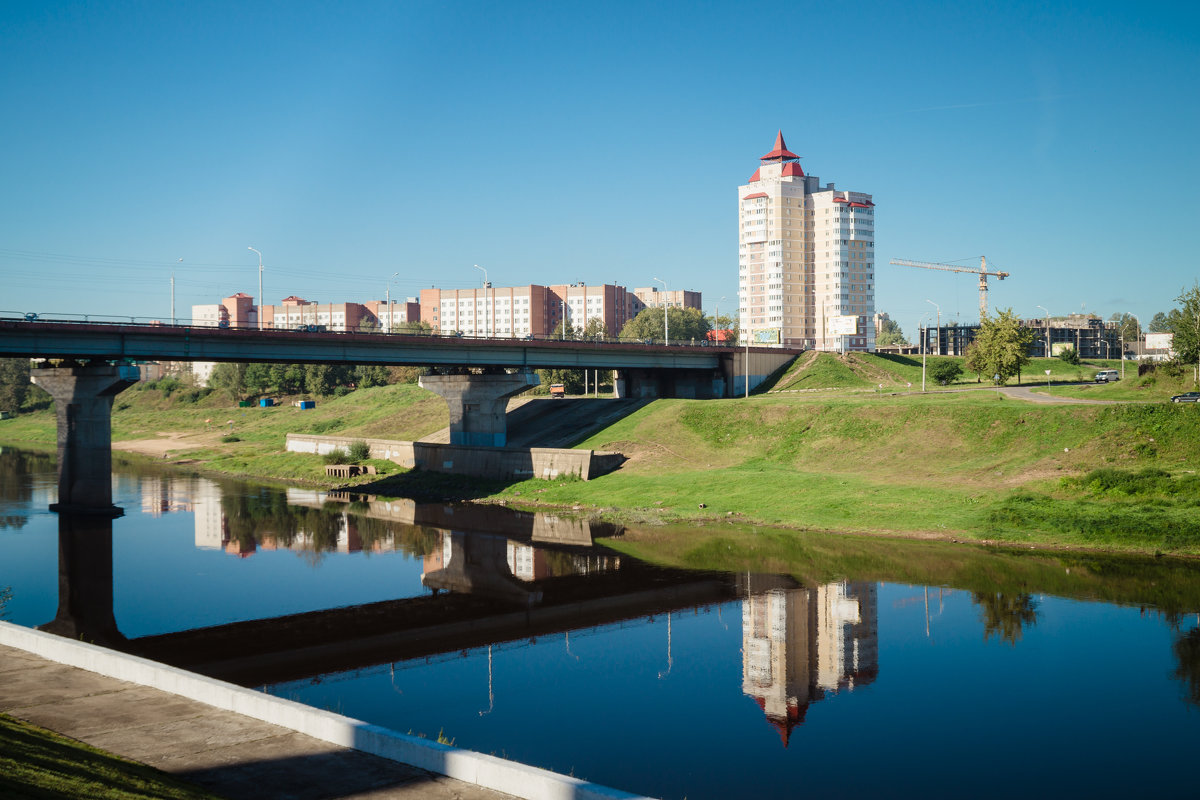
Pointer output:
x,y
939,325
1043,308
179,261
921,333
388,302
666,328
260,297
485,287
1137,332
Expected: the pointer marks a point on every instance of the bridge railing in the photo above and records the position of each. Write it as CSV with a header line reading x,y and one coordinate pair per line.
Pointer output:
x,y
305,328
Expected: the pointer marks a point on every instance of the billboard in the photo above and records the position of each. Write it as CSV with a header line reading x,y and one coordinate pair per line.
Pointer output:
x,y
1058,348
843,326
767,336
1159,341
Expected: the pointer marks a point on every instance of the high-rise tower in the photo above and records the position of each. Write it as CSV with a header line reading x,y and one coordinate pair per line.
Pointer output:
x,y
806,258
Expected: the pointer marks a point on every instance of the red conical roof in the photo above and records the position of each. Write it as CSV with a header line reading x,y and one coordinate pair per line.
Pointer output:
x,y
780,152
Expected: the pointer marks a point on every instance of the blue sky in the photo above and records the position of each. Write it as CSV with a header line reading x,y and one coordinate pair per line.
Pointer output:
x,y
555,142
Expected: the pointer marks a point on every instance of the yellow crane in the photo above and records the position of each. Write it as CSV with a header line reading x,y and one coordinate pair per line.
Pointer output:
x,y
982,272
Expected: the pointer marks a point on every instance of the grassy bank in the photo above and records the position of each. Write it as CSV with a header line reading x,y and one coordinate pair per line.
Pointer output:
x,y
36,763
965,465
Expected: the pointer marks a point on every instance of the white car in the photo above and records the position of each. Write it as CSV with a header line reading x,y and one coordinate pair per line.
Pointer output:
x,y
1107,375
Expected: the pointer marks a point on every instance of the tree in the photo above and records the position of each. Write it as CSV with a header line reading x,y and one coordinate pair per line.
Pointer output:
x,y
724,322
413,326
571,332
571,379
1001,348
595,329
685,324
1184,324
890,334
1070,355
14,383
1158,323
230,377
1131,331
945,372
368,375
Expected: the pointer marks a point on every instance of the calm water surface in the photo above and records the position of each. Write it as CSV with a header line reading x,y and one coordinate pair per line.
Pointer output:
x,y
517,635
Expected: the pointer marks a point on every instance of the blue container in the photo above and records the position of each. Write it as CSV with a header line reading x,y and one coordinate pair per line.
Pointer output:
x,y
308,404
266,402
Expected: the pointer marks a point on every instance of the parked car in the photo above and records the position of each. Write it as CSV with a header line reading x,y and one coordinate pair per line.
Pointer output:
x,y
1186,397
1107,375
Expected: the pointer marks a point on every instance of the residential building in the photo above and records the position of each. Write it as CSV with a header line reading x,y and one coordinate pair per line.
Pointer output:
x,y
531,310
806,258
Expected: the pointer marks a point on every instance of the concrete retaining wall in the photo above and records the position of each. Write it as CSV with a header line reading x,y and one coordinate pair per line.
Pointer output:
x,y
481,462
494,773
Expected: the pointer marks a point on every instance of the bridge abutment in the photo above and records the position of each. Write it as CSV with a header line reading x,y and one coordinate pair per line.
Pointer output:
x,y
478,403
83,398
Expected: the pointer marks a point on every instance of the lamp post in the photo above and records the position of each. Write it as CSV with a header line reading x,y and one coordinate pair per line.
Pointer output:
x,y
178,261
1137,332
666,327
388,302
921,333
1043,308
939,325
260,297
485,288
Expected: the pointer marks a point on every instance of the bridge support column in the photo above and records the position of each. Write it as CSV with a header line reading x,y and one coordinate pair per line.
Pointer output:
x,y
477,404
83,398
85,581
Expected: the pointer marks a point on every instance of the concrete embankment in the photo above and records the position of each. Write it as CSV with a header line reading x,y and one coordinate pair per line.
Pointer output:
x,y
242,743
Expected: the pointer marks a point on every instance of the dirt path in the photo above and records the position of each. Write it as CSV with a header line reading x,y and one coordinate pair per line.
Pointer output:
x,y
169,442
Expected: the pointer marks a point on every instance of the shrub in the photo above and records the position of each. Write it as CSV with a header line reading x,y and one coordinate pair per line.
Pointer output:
x,y
359,451
230,439
945,372
1070,356
336,456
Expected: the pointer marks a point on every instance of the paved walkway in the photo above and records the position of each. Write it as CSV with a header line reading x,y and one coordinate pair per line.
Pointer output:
x,y
228,754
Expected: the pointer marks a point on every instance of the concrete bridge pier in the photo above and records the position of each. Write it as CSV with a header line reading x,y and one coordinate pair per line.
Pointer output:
x,y
477,404
83,398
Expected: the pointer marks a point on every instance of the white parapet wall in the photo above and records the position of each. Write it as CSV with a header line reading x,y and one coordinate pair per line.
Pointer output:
x,y
502,775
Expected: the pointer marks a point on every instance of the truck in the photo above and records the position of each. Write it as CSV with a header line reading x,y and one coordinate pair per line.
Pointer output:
x,y
557,390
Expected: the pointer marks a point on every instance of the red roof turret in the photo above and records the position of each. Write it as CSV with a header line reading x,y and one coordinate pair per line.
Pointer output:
x,y
780,152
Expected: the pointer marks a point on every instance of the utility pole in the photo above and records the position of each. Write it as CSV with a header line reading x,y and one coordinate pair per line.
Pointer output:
x,y
260,297
666,328
939,325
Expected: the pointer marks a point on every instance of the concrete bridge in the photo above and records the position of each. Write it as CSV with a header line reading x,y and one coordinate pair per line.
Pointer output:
x,y
475,376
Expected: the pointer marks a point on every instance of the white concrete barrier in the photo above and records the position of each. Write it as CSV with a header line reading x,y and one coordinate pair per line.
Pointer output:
x,y
501,775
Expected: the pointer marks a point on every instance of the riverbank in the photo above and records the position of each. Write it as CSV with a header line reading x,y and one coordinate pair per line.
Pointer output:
x,y
973,466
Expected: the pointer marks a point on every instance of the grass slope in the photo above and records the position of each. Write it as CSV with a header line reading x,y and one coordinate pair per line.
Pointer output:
x,y
36,763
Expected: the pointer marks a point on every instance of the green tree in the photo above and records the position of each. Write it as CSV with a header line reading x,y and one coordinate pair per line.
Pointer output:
x,y
685,324
1184,325
571,333
368,375
1159,324
413,326
14,383
945,372
1001,348
595,329
571,379
890,334
1131,331
726,323
231,378
1070,355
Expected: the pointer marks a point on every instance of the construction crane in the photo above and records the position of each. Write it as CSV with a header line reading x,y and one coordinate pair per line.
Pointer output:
x,y
982,272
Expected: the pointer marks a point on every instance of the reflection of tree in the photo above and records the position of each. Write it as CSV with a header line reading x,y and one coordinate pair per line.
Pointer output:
x,y
15,487
1006,615
266,516
5,596
1187,654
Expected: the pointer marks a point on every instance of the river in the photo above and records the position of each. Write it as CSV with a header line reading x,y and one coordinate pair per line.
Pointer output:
x,y
530,637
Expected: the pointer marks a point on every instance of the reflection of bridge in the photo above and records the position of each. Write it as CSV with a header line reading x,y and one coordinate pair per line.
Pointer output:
x,y
483,374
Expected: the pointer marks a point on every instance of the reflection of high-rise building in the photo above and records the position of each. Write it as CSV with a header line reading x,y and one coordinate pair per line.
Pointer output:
x,y
212,530
800,644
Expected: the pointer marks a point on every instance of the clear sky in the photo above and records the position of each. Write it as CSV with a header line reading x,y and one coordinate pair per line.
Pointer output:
x,y
602,142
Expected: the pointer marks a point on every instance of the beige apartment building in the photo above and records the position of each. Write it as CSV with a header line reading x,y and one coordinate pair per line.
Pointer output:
x,y
531,310
806,258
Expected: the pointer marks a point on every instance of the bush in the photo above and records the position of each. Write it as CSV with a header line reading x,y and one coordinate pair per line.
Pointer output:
x,y
359,451
336,456
1070,356
945,372
230,439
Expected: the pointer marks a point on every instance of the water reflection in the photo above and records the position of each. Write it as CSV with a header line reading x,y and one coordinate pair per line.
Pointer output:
x,y
798,645
16,487
508,628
